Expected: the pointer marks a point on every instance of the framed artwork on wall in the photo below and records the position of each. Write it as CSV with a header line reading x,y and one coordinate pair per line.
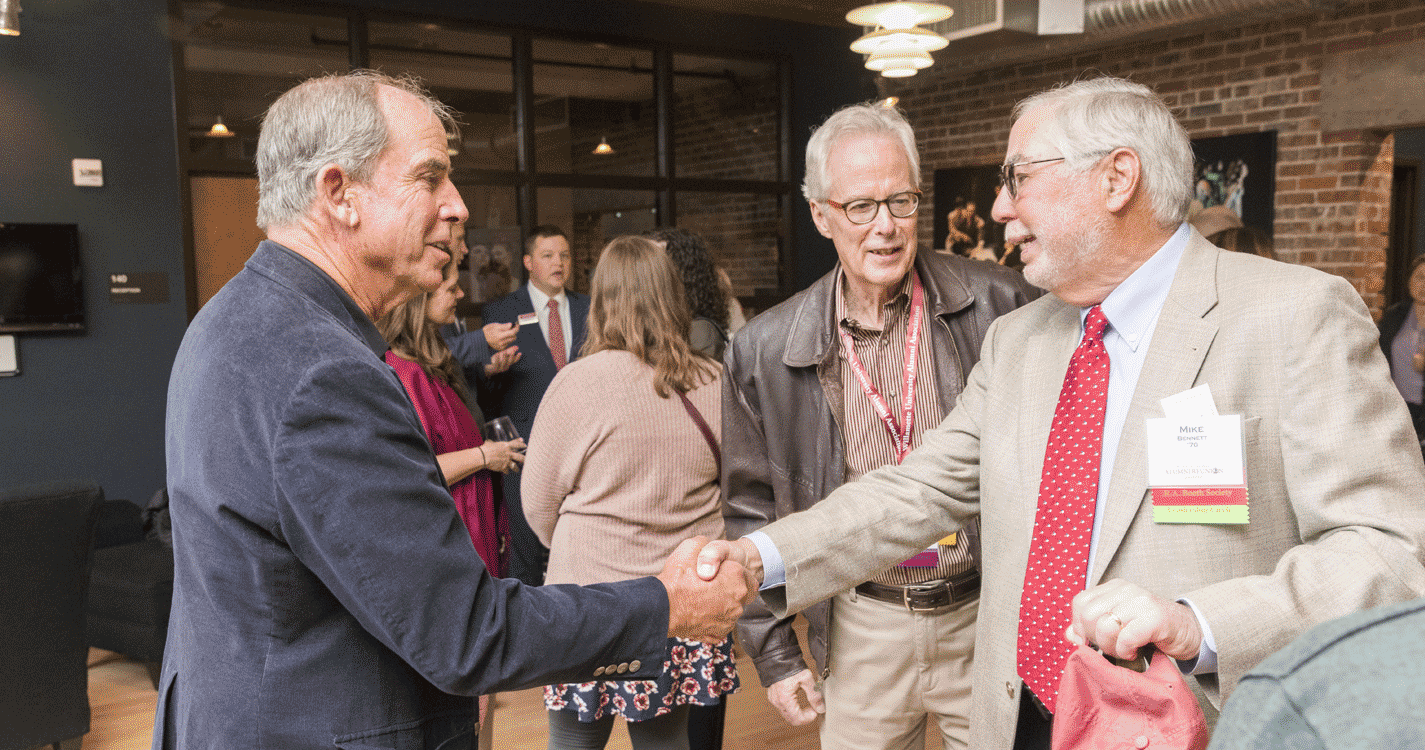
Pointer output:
x,y
963,199
492,269
1239,173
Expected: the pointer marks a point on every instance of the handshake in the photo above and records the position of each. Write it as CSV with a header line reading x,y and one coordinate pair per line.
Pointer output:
x,y
708,583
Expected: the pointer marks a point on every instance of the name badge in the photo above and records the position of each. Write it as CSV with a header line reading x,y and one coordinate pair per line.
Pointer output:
x,y
1196,463
528,318
930,556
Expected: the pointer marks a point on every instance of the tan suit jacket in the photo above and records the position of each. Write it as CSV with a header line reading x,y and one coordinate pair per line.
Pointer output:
x,y
1333,469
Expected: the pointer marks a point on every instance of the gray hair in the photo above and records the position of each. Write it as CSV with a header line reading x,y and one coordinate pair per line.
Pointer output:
x,y
334,119
855,120
1093,117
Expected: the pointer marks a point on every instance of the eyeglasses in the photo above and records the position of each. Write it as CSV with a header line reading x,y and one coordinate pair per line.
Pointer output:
x,y
864,210
1010,180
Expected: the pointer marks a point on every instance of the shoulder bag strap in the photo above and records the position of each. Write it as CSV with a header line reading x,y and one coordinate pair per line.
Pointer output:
x,y
703,427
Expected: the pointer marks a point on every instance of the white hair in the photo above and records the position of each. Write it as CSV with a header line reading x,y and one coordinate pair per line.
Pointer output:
x,y
1092,117
855,120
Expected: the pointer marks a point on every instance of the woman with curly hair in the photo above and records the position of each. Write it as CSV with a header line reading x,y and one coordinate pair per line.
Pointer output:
x,y
626,468
706,298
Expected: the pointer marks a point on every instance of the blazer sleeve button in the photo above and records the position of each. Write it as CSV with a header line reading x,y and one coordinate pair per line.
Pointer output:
x,y
635,665
598,671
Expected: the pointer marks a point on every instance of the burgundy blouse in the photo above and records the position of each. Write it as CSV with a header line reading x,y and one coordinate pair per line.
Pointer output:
x,y
450,428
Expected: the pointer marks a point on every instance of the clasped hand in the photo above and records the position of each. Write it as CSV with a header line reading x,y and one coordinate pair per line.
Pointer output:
x,y
704,609
1120,618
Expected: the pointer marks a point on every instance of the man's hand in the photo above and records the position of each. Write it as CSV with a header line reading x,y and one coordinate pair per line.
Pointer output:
x,y
1121,618
786,694
499,335
502,360
698,609
741,551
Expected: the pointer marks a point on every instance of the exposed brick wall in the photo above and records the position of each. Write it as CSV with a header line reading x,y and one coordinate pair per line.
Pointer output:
x,y
1332,189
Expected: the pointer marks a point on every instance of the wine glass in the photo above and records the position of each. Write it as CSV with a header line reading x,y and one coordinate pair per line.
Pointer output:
x,y
501,430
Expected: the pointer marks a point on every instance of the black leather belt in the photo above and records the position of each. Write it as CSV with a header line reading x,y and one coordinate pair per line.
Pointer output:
x,y
921,597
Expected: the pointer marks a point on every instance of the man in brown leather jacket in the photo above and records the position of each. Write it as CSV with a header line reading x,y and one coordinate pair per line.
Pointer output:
x,y
843,378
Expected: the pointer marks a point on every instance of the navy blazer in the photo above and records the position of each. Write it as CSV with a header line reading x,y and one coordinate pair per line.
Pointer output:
x,y
325,592
517,392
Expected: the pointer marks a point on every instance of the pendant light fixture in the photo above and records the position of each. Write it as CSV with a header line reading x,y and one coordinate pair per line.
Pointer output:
x,y
219,130
10,17
898,47
603,149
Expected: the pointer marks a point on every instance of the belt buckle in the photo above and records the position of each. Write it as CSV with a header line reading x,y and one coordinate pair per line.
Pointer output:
x,y
925,587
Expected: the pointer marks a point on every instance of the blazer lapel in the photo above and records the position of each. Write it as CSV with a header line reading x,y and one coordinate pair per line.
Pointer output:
x,y
1046,359
1180,343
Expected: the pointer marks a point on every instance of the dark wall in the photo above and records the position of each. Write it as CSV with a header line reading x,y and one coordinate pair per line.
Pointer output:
x,y
94,79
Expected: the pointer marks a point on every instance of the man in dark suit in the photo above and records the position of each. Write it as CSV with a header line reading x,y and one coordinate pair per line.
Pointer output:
x,y
551,326
326,593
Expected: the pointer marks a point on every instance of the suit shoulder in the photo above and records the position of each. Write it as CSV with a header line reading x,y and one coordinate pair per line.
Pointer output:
x,y
508,306
1264,281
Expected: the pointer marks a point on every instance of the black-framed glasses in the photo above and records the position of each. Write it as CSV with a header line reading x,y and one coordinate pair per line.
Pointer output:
x,y
1010,180
864,210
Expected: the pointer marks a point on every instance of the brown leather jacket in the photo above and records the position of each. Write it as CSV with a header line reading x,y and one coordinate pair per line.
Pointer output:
x,y
781,445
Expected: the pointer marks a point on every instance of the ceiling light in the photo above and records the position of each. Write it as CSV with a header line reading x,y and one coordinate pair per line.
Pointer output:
x,y
10,17
897,46
219,130
890,102
603,148
895,40
900,72
912,61
898,15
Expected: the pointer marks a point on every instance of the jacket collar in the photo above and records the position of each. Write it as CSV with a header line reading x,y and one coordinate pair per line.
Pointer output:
x,y
290,269
812,333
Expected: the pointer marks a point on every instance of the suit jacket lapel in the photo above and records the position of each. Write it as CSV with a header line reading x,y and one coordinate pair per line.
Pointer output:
x,y
1180,343
1046,359
531,339
578,320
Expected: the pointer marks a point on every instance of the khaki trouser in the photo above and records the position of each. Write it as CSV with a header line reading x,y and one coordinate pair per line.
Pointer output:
x,y
892,669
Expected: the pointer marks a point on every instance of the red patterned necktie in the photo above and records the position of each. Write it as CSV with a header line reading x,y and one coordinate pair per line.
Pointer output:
x,y
556,336
1063,523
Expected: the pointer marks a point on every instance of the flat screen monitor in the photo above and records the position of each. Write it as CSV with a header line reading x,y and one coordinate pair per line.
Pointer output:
x,y
41,278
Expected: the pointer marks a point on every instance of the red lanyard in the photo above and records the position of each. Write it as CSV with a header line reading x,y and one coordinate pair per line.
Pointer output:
x,y
900,436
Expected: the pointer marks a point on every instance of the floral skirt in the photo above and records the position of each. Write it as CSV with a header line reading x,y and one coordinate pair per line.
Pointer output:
x,y
693,673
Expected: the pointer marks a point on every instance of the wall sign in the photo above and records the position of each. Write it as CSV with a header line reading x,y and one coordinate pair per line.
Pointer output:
x,y
88,172
147,286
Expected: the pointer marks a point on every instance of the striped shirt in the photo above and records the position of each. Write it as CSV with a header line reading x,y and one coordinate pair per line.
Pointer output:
x,y
869,444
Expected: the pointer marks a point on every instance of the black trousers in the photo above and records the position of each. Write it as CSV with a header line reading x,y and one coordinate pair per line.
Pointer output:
x,y
1035,728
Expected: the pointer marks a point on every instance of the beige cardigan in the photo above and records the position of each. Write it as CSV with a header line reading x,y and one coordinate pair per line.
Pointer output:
x,y
617,476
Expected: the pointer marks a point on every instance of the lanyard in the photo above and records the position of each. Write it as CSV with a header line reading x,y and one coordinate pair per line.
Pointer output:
x,y
900,433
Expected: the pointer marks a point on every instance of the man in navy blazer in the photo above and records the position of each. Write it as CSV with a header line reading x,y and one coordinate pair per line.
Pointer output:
x,y
326,594
516,392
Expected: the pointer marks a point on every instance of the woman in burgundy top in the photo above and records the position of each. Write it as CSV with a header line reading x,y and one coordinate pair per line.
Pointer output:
x,y
437,387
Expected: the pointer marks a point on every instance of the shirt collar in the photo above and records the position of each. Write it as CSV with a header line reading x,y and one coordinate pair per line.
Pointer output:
x,y
893,306
1133,307
539,299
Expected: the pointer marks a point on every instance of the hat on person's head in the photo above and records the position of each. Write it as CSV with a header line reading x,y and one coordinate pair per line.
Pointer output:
x,y
1210,221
